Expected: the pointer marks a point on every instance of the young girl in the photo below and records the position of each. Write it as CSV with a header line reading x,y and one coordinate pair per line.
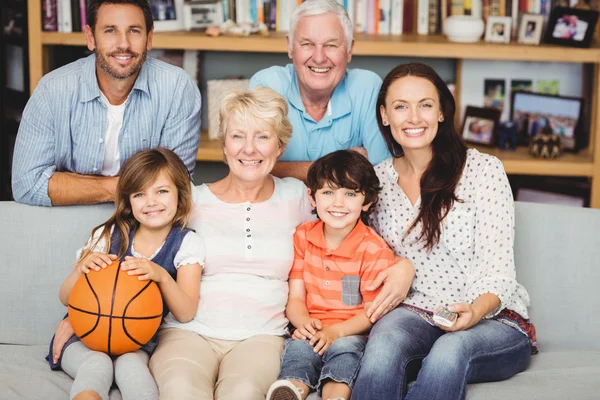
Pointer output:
x,y
147,232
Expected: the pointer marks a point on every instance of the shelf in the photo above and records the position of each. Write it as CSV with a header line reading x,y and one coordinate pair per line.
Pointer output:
x,y
517,162
366,45
209,150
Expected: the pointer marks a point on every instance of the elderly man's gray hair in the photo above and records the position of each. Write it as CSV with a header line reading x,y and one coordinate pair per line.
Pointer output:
x,y
319,7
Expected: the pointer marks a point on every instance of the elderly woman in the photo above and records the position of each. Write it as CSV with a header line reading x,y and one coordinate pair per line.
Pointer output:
x,y
232,348
330,107
449,210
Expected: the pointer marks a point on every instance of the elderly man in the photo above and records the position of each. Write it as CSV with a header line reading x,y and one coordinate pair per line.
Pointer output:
x,y
86,118
331,107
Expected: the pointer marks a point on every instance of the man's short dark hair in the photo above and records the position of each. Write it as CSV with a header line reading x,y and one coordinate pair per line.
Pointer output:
x,y
346,169
94,6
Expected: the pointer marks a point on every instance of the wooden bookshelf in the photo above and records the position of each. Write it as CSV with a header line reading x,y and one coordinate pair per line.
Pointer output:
x,y
584,164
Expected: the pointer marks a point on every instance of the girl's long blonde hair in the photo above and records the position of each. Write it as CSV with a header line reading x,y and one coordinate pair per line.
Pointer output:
x,y
139,172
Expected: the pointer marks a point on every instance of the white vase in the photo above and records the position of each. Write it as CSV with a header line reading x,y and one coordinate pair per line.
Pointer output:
x,y
464,28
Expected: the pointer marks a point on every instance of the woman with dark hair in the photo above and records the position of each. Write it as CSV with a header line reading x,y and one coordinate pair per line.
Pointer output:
x,y
449,210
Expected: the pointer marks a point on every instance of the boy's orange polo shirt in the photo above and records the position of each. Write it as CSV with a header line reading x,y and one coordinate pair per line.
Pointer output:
x,y
335,280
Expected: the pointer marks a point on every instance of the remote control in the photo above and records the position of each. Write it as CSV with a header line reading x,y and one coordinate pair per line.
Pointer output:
x,y
442,316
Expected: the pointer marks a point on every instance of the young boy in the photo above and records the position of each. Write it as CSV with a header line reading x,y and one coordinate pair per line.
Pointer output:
x,y
335,258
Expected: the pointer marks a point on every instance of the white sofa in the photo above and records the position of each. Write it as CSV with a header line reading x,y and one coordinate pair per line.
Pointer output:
x,y
558,261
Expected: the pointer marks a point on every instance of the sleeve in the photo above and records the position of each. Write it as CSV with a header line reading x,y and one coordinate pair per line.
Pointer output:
x,y
377,259
306,209
372,138
494,270
181,132
273,77
96,243
297,271
33,160
192,251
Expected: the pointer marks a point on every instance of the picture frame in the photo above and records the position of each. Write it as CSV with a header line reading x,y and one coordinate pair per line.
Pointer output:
x,y
533,111
530,30
571,27
498,29
167,15
480,125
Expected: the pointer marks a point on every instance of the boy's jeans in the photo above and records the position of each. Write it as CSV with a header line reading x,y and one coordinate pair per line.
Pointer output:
x,y
402,340
339,363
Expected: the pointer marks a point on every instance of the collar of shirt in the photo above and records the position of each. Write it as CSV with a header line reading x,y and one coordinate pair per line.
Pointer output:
x,y
339,104
90,89
349,245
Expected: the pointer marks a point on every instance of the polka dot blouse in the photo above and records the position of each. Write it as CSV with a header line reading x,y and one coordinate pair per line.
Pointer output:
x,y
475,253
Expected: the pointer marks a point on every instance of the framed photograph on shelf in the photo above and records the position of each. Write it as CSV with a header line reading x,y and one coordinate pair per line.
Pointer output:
x,y
533,111
571,27
497,29
480,125
530,30
167,14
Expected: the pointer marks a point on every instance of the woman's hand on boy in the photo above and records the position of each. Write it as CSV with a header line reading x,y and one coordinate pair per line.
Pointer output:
x,y
144,269
307,330
396,281
323,339
95,261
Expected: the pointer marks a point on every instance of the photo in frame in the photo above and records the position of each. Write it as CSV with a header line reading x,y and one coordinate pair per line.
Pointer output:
x,y
572,27
497,29
167,15
480,125
533,111
530,30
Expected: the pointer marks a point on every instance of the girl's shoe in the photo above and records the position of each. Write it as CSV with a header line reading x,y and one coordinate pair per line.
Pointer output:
x,y
284,390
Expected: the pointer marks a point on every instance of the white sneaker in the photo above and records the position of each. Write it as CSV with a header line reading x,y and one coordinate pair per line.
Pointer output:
x,y
284,390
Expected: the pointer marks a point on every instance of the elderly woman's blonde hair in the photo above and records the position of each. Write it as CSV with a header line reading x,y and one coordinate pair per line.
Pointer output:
x,y
257,106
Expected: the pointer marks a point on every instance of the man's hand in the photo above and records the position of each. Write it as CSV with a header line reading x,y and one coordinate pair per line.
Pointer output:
x,y
323,339
144,269
396,281
63,333
306,331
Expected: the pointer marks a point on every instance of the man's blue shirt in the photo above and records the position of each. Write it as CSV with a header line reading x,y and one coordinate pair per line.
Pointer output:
x,y
65,122
349,121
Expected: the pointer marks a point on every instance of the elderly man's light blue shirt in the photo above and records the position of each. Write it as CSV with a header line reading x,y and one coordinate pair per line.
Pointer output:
x,y
65,122
349,121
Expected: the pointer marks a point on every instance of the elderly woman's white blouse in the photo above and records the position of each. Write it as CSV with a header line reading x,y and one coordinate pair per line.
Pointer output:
x,y
249,254
475,253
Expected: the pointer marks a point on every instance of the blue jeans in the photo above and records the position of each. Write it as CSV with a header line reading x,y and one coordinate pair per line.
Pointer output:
x,y
339,363
403,344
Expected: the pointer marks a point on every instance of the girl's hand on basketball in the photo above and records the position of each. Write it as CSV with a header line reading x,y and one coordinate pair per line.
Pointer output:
x,y
96,262
143,268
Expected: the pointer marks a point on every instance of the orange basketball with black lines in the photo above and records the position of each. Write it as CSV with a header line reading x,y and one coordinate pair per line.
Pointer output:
x,y
113,312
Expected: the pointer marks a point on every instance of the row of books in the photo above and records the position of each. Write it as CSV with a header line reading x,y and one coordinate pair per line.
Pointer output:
x,y
368,16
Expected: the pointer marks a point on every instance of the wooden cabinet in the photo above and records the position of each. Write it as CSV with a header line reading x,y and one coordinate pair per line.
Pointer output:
x,y
586,163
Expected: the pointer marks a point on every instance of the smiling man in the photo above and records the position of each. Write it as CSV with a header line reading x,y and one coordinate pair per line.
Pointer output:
x,y
330,107
86,118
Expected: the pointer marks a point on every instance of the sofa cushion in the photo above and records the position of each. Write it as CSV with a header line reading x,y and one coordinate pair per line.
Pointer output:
x,y
25,375
557,256
37,252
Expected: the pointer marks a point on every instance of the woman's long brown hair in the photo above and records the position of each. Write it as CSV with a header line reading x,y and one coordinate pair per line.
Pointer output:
x,y
139,172
439,180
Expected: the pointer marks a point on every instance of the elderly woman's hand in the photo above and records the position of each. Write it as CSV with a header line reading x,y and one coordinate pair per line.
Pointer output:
x,y
396,281
362,151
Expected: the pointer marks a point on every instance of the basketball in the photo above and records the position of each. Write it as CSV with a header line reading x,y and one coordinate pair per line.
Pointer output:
x,y
113,312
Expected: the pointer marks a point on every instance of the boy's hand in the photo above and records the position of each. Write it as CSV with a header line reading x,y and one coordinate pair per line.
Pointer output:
x,y
143,268
323,339
95,261
308,330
